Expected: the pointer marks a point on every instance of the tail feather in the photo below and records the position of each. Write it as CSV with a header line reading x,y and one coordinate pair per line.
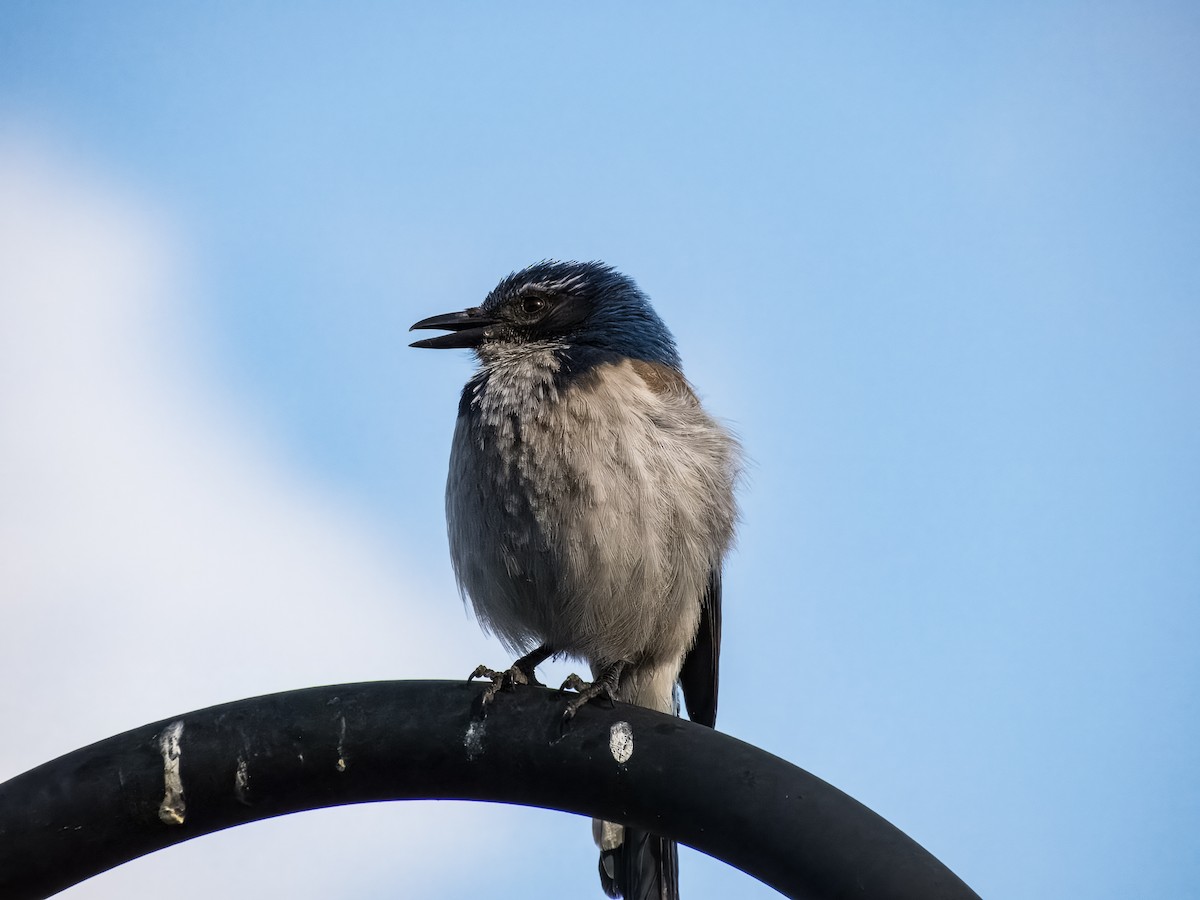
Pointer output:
x,y
636,864
643,866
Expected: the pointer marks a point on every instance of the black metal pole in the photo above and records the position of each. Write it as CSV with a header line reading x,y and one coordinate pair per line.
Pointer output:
x,y
239,762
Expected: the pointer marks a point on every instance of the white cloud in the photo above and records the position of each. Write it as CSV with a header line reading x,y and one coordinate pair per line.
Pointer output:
x,y
155,557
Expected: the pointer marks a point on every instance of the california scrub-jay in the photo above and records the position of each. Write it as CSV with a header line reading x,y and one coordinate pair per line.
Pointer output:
x,y
589,505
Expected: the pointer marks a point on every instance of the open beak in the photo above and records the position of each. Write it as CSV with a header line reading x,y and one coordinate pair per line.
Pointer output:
x,y
468,328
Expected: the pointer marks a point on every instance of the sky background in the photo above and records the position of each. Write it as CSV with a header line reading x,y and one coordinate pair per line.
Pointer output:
x,y
937,264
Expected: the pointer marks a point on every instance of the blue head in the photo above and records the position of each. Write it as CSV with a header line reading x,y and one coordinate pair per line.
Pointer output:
x,y
562,306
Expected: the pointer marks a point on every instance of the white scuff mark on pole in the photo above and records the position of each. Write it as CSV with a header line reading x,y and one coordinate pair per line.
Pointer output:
x,y
341,745
170,743
620,742
473,742
241,781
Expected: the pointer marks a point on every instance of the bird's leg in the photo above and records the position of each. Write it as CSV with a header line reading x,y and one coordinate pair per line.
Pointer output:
x,y
520,672
605,685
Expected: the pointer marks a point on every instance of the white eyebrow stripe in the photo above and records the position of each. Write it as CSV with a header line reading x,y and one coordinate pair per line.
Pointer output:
x,y
561,284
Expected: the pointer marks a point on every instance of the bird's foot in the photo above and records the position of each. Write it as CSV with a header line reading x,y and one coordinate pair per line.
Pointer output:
x,y
520,672
501,681
604,686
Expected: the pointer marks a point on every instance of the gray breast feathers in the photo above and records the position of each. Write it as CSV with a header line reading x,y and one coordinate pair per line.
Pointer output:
x,y
589,511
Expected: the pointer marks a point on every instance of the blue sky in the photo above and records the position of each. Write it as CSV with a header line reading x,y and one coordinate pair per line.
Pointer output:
x,y
935,264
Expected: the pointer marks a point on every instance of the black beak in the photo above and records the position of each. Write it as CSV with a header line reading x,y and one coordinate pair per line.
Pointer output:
x,y
468,328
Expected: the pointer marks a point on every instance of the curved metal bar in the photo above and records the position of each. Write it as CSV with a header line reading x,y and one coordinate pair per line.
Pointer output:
x,y
266,756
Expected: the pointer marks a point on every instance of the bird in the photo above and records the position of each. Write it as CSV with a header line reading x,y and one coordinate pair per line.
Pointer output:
x,y
590,505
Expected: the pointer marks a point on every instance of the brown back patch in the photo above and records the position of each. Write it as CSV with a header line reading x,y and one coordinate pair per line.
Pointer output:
x,y
661,379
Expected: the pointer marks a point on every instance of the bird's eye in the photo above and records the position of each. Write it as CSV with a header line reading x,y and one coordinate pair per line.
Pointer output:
x,y
531,306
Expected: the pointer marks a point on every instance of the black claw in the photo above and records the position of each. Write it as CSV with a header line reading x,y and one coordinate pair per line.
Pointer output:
x,y
520,672
604,687
574,683
483,672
